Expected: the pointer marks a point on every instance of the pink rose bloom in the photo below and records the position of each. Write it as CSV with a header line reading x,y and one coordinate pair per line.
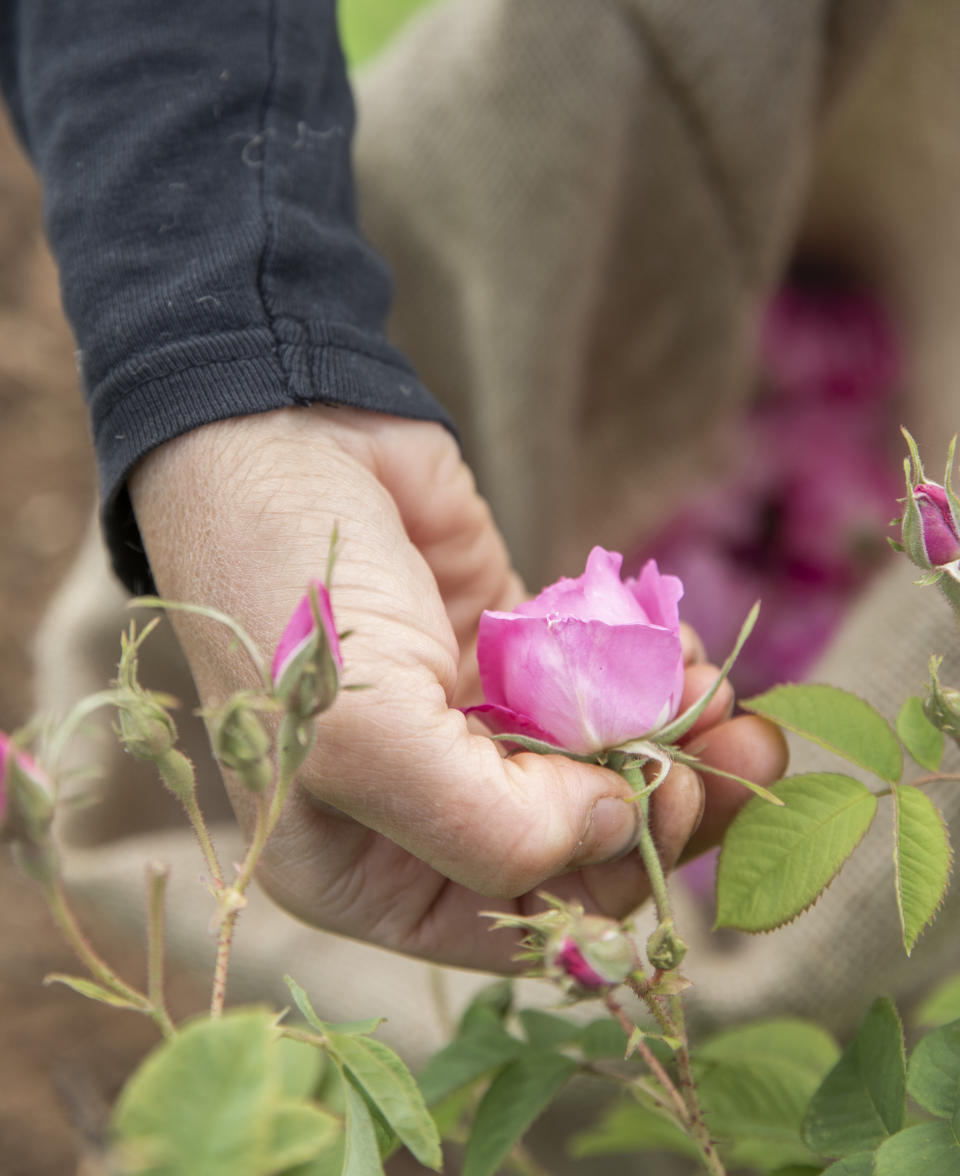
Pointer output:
x,y
939,534
32,782
307,662
591,663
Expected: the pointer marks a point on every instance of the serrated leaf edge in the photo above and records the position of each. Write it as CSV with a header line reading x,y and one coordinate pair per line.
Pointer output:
x,y
816,898
908,948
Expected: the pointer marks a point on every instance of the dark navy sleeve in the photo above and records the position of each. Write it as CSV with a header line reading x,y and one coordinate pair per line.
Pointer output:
x,y
195,156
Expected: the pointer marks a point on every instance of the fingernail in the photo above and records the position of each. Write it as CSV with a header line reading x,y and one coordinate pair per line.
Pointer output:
x,y
612,831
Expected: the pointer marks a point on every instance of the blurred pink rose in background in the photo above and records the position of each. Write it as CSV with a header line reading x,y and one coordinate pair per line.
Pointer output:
x,y
590,663
802,522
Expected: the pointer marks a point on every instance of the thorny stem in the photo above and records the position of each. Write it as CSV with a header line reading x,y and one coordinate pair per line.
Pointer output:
x,y
157,875
172,770
292,747
653,1063
229,916
650,1093
693,1113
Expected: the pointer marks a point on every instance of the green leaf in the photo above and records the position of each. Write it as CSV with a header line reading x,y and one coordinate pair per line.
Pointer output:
x,y
93,991
838,721
519,1093
919,736
862,1100
942,1005
361,1154
366,26
929,1149
755,1107
300,1132
492,1004
858,1164
203,1101
547,1031
301,1067
933,1076
393,1090
784,1040
602,1038
351,1028
467,1058
775,862
922,857
630,1128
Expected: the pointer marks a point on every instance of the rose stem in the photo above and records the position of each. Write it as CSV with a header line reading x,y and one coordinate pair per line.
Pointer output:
x,y
157,875
656,1068
661,899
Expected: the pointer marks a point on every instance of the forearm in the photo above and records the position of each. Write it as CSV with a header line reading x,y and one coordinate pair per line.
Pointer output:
x,y
196,167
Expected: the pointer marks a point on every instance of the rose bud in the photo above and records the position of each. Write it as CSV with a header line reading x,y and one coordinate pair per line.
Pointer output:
x,y
26,801
241,743
589,664
595,954
942,705
146,730
939,534
307,662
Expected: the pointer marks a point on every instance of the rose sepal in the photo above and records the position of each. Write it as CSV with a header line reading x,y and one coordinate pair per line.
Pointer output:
x,y
691,761
541,747
952,498
682,723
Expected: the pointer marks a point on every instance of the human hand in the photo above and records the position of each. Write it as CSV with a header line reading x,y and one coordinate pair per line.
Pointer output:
x,y
405,823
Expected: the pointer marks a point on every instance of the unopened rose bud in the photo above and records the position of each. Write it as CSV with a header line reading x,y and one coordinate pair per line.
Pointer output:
x,y
939,533
242,744
930,528
942,705
594,954
665,948
307,663
146,730
26,798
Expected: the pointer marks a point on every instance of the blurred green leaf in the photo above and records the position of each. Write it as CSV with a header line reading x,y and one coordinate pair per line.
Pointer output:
x,y
922,856
203,1101
862,1100
754,1108
603,1038
942,1005
361,1154
919,736
629,1128
298,1133
367,25
838,721
933,1075
92,991
547,1031
929,1149
519,1093
776,861
393,1090
301,1067
858,1164
480,1050
783,1040
302,1001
